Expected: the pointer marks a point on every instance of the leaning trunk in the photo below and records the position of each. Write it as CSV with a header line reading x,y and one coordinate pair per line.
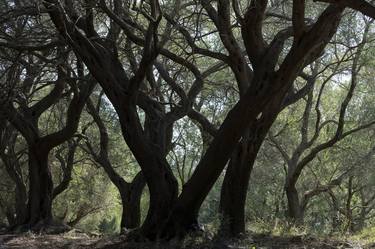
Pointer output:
x,y
236,180
244,114
150,155
233,193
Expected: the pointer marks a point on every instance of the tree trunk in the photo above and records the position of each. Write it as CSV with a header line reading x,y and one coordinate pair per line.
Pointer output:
x,y
12,165
163,195
20,196
131,203
9,214
348,206
159,177
236,180
39,208
295,210
194,192
150,155
233,193
361,220
130,193
21,203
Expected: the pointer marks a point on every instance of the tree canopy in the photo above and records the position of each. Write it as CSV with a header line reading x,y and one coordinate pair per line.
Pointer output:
x,y
160,117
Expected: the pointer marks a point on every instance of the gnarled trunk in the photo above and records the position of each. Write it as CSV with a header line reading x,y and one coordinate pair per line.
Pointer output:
x,y
131,203
39,208
236,180
233,194
185,212
163,194
21,203
150,151
265,87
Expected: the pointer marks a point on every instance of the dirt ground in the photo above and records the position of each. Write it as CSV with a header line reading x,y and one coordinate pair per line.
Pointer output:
x,y
33,241
83,241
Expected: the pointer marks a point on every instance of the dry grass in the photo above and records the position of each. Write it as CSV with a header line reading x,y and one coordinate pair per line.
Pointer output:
x,y
74,240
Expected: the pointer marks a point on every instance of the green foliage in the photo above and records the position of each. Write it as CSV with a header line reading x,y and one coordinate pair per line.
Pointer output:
x,y
108,226
93,203
366,236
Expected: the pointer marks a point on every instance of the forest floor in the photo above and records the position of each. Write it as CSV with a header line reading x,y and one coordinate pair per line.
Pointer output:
x,y
73,240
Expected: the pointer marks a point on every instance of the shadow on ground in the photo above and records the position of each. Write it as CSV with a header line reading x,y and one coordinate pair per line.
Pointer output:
x,y
76,240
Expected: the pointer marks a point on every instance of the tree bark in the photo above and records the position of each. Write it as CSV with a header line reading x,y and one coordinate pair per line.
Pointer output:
x,y
8,139
295,210
265,86
131,202
234,191
123,93
21,203
237,176
41,187
20,191
208,170
9,213
130,193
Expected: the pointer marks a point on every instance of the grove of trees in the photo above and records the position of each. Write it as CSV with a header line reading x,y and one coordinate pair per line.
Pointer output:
x,y
159,117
